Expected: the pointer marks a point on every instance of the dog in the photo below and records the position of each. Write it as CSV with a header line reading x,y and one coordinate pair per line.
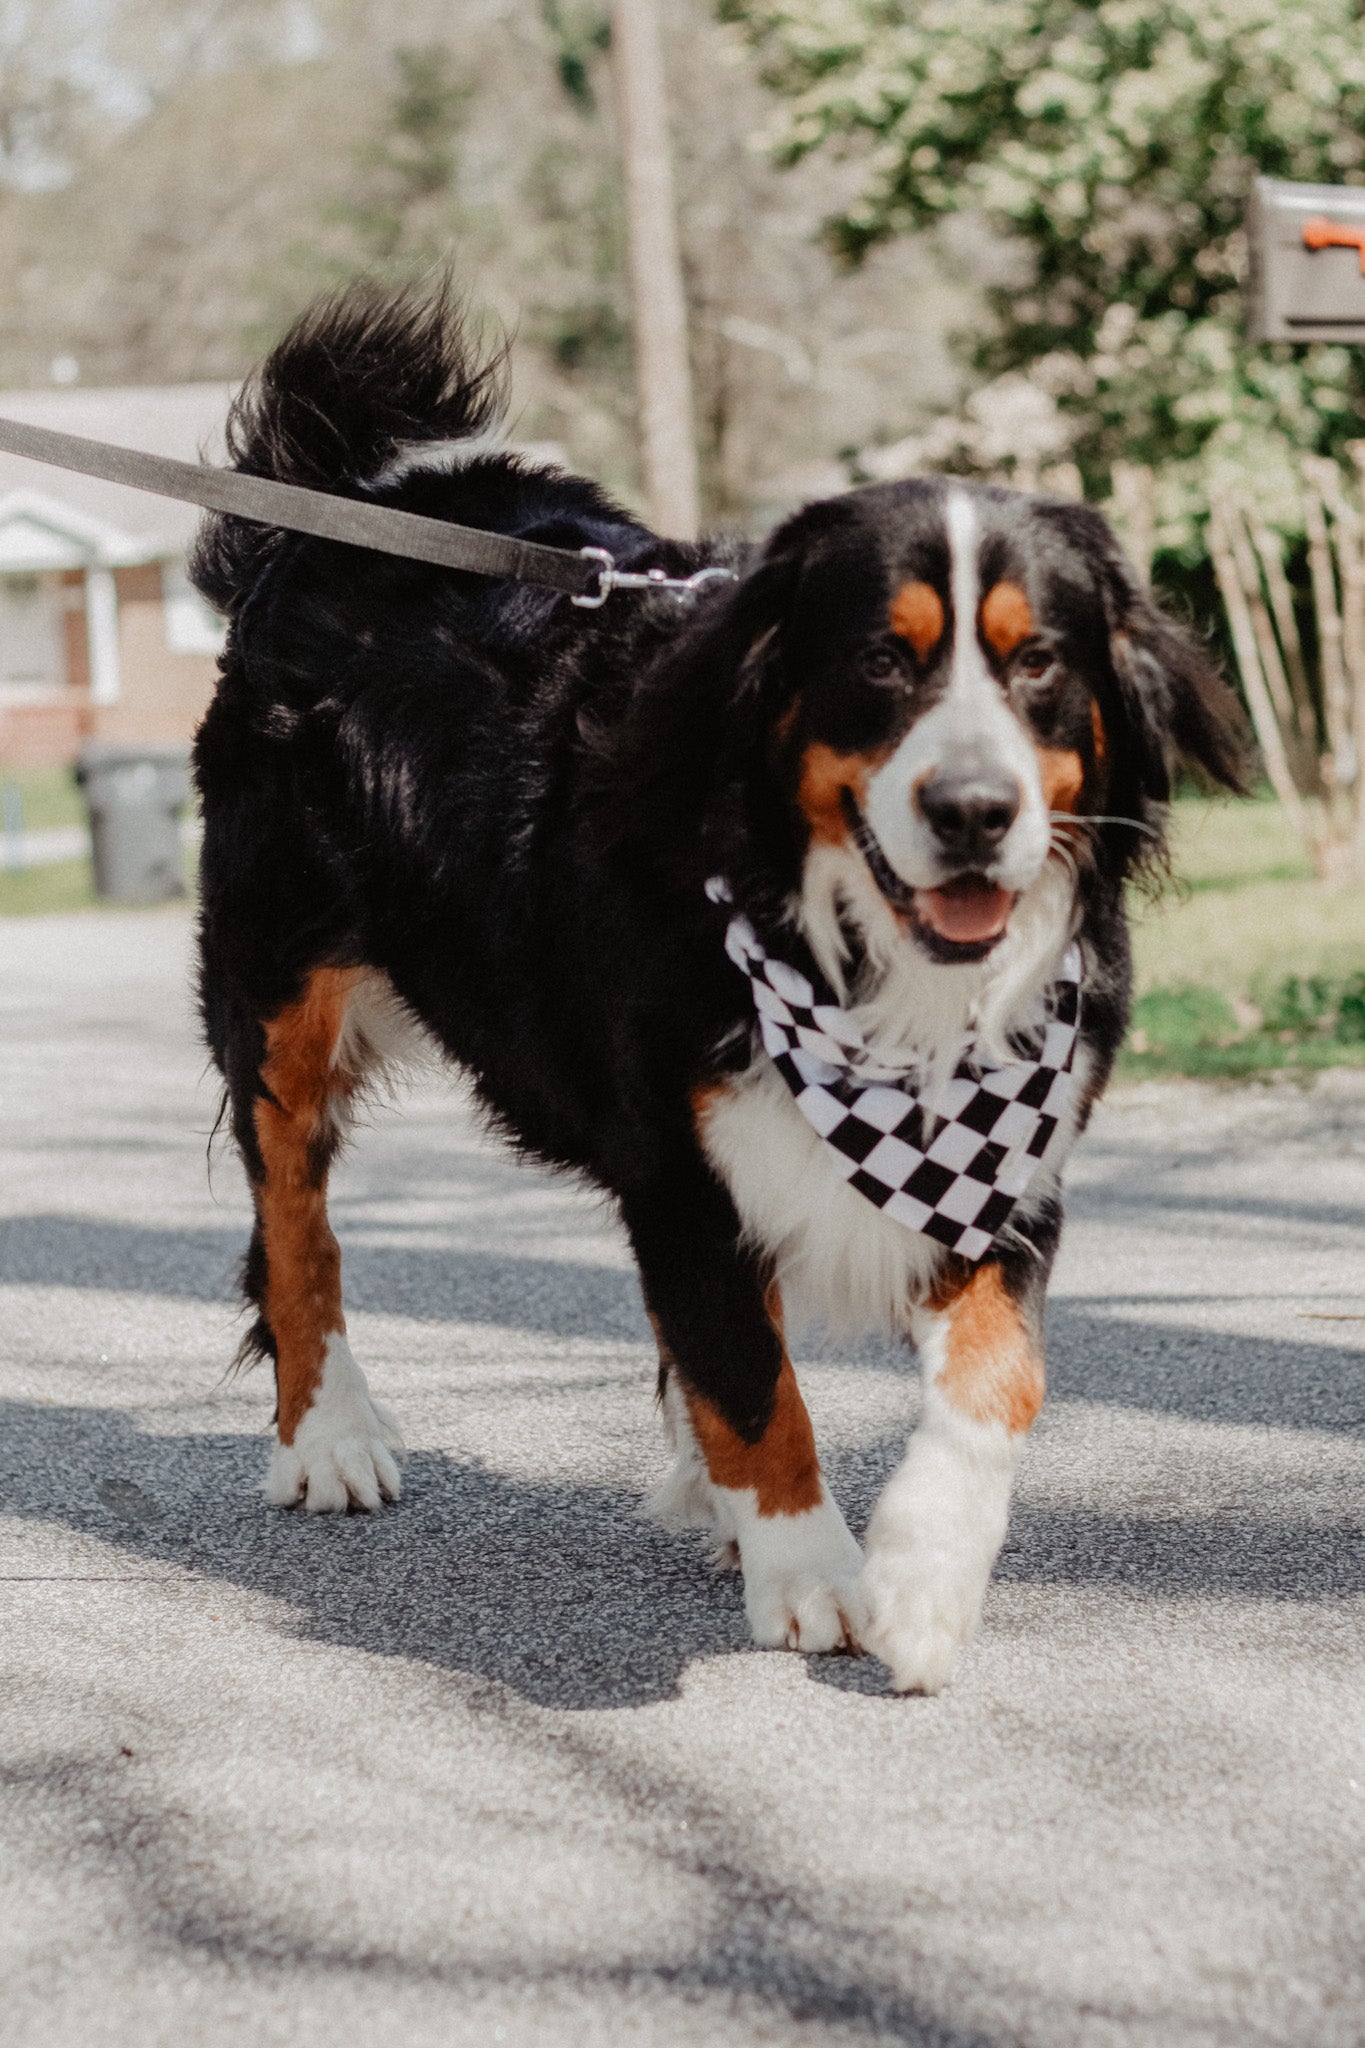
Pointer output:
x,y
637,871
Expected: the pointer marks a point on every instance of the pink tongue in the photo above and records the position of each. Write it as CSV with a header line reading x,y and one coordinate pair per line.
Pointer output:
x,y
965,912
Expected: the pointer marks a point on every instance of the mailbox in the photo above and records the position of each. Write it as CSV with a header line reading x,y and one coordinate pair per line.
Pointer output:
x,y
1307,261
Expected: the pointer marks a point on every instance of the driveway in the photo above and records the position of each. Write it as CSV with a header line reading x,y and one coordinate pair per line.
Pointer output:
x,y
499,1765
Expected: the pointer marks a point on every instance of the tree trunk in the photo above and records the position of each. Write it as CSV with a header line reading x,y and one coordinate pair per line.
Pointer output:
x,y
662,373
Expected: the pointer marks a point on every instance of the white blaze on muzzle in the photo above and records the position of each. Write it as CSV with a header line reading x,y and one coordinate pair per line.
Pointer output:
x,y
970,732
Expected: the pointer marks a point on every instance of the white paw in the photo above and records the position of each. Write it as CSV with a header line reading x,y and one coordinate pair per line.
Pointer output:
x,y
345,1451
801,1572
931,1543
802,1587
920,1611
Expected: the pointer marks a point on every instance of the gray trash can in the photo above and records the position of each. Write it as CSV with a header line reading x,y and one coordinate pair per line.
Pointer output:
x,y
135,796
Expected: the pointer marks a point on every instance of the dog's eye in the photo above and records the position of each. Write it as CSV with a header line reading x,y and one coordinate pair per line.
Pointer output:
x,y
879,664
1035,663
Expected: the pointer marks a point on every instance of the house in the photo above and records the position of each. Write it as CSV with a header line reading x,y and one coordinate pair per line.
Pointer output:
x,y
102,635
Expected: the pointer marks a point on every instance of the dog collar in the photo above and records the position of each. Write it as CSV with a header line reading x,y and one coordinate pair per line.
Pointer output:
x,y
954,1176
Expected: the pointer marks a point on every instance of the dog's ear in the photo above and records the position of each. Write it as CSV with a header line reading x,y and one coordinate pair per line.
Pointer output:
x,y
1173,690
1164,690
691,740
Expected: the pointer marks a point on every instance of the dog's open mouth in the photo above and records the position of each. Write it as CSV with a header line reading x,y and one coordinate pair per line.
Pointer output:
x,y
968,911
958,920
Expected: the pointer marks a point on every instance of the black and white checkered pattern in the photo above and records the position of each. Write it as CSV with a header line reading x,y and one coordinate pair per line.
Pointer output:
x,y
991,1125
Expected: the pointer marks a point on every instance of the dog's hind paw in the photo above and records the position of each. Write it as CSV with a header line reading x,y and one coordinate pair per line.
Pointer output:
x,y
345,1452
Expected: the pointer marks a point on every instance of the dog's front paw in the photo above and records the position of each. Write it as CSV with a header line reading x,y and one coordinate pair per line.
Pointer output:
x,y
802,1573
345,1451
919,1613
932,1541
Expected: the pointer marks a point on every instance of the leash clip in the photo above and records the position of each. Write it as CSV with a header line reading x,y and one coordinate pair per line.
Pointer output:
x,y
610,578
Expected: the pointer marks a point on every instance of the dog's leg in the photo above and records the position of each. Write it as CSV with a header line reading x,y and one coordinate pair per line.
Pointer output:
x,y
685,1498
337,1447
939,1525
746,1466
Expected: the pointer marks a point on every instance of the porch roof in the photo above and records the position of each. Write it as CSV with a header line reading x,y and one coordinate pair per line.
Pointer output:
x,y
38,532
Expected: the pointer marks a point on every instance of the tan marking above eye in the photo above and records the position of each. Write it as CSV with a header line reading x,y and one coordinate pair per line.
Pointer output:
x,y
1006,617
917,616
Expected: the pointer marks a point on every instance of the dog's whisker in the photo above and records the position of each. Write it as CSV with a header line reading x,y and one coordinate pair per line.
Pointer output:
x,y
1100,818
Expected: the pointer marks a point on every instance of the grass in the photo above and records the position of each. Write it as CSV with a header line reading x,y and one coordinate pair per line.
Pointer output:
x,y
49,796
70,885
1249,965
57,885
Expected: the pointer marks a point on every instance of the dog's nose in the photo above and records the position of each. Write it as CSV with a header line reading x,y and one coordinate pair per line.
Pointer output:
x,y
969,814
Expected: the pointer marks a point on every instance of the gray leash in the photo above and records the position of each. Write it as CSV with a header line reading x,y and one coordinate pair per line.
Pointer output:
x,y
588,576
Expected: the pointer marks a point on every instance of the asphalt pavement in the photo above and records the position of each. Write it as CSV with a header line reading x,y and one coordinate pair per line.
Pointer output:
x,y
498,1765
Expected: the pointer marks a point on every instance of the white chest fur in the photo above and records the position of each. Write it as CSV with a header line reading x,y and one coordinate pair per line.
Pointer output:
x,y
840,1260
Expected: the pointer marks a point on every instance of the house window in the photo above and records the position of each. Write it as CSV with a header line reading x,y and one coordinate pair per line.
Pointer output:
x,y
30,635
192,627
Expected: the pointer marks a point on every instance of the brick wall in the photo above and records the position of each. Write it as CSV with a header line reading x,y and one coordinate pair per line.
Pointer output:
x,y
163,694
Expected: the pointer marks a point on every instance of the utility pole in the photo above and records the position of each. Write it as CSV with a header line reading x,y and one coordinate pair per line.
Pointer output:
x,y
663,374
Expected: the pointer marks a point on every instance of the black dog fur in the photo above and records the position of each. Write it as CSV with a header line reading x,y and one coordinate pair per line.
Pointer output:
x,y
509,806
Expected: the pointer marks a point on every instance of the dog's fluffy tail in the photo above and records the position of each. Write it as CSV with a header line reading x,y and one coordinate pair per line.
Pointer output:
x,y
361,375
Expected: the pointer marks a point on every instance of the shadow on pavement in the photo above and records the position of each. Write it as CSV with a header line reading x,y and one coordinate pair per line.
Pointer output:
x,y
1102,1201
1170,1368
1092,1356
560,1596
559,1591
758,1940
565,1298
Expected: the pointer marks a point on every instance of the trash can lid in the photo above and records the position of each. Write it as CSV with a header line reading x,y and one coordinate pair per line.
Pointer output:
x,y
128,754
120,773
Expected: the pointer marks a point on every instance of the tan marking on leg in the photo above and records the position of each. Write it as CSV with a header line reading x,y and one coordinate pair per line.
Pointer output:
x,y
992,1370
1006,617
783,1467
917,616
1062,773
825,775
1100,737
302,1257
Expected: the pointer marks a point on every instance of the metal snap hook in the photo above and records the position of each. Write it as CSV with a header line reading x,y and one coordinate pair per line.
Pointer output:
x,y
611,578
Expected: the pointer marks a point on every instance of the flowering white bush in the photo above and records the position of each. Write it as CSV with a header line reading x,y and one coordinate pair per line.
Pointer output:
x,y
1117,141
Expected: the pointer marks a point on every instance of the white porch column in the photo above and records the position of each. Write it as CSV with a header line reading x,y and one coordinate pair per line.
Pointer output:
x,y
101,633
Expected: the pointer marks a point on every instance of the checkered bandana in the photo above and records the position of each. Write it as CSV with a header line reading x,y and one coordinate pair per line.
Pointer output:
x,y
992,1123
